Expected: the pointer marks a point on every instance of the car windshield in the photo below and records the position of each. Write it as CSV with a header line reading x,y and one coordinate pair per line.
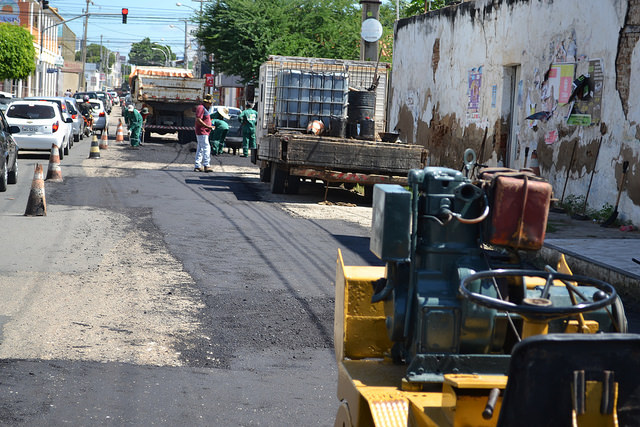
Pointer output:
x,y
71,108
27,111
96,106
80,95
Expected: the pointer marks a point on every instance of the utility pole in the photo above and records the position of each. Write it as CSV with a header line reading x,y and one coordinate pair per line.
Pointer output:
x,y
186,58
81,79
370,10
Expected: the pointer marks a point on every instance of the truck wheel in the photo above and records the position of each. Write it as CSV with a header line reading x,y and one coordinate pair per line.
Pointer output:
x,y
293,184
278,180
265,171
368,193
184,137
343,417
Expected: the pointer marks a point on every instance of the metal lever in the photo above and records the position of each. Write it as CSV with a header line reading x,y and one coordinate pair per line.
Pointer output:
x,y
487,414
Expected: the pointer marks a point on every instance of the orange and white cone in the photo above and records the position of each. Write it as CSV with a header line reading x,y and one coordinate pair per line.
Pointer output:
x,y
535,166
95,148
119,133
54,173
37,204
104,140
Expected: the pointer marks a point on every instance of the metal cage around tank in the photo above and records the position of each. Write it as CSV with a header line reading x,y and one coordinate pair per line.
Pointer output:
x,y
295,90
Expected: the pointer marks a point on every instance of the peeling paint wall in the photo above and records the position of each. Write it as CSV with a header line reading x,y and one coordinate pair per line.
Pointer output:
x,y
470,75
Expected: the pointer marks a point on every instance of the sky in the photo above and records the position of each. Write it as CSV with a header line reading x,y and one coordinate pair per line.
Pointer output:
x,y
147,18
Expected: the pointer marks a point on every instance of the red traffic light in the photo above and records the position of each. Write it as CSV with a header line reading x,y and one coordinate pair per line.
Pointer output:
x,y
125,12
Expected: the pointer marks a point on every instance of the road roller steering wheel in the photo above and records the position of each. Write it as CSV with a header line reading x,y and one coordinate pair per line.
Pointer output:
x,y
539,308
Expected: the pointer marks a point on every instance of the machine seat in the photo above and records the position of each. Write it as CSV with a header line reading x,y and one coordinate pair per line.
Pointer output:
x,y
539,388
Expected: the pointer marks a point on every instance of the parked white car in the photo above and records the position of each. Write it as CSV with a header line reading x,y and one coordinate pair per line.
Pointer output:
x,y
41,125
100,116
66,108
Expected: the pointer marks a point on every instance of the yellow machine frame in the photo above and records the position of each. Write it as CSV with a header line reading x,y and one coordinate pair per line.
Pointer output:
x,y
372,390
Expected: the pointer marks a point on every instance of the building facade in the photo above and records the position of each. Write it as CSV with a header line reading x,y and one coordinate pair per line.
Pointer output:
x,y
43,26
521,82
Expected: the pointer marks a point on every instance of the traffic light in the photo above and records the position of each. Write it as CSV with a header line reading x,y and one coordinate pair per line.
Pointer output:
x,y
45,4
125,12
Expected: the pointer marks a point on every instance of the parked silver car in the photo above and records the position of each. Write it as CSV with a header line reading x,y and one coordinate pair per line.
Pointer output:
x,y
8,146
78,120
100,116
106,100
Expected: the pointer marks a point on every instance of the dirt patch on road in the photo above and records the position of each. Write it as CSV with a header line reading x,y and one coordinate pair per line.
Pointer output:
x,y
129,308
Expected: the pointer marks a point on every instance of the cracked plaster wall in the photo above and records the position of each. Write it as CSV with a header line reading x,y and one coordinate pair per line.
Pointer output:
x,y
429,99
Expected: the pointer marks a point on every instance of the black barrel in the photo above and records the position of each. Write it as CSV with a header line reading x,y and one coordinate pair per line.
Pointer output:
x,y
337,126
367,129
361,105
362,129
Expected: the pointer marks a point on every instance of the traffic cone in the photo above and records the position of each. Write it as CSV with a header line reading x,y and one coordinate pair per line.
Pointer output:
x,y
535,167
37,205
95,148
54,173
104,140
119,133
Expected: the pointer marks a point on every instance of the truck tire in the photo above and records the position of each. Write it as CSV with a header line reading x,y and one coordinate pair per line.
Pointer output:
x,y
265,171
293,184
184,136
368,193
278,180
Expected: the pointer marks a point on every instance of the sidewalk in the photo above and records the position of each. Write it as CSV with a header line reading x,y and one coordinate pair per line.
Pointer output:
x,y
591,250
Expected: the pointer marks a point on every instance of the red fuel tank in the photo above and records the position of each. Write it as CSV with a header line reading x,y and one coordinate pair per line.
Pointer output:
x,y
519,211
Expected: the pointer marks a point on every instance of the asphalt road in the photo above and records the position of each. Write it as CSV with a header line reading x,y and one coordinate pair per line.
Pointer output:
x,y
154,295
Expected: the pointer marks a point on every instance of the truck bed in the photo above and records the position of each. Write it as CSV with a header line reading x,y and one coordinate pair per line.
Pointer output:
x,y
341,154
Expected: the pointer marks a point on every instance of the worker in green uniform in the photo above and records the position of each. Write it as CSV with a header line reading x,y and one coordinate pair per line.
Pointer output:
x,y
221,128
133,119
248,118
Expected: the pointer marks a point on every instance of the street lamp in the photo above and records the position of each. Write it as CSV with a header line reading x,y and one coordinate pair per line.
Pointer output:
x,y
166,58
186,46
184,5
198,50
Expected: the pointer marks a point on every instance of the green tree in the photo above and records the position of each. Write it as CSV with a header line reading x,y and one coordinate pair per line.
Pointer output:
x,y
94,56
241,34
17,54
417,7
148,53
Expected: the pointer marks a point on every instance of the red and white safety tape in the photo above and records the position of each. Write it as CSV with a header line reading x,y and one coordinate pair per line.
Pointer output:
x,y
164,127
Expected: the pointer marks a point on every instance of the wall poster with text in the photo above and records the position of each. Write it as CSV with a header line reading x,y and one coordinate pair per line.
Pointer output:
x,y
473,106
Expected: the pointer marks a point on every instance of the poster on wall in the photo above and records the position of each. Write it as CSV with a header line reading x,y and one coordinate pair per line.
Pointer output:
x,y
588,110
560,80
473,107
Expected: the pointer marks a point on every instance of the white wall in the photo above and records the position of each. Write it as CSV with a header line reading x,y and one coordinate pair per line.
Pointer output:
x,y
430,104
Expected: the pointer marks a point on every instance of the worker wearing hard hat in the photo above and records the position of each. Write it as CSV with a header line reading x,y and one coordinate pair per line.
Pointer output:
x,y
248,118
221,128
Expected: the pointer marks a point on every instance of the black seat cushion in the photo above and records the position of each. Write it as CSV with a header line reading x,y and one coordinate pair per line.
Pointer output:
x,y
541,370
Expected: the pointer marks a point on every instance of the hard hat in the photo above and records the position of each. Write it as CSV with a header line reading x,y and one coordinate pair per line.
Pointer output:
x,y
224,112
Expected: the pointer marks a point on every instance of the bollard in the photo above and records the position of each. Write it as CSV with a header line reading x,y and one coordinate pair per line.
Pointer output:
x,y
54,173
37,204
104,140
95,148
119,133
